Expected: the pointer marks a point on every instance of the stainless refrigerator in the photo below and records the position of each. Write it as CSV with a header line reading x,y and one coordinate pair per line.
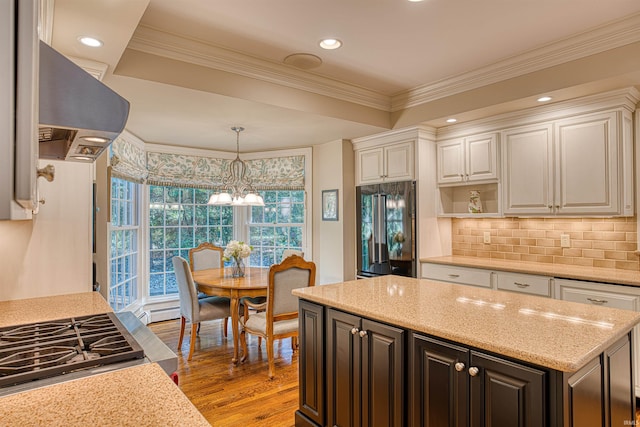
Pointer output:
x,y
386,227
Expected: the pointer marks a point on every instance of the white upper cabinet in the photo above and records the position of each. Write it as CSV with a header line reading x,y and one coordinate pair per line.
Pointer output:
x,y
393,162
469,159
571,166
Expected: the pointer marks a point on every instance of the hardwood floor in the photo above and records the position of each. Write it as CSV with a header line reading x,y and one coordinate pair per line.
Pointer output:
x,y
234,395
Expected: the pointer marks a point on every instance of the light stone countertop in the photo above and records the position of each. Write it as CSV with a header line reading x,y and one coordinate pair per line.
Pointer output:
x,y
142,395
139,396
556,334
598,274
23,311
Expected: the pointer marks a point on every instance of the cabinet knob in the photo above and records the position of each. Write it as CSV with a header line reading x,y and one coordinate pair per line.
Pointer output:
x,y
363,334
473,371
354,331
459,366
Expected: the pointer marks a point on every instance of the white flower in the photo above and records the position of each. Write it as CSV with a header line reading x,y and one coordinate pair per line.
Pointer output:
x,y
236,249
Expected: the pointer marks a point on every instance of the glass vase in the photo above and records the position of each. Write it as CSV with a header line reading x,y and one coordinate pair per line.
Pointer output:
x,y
237,268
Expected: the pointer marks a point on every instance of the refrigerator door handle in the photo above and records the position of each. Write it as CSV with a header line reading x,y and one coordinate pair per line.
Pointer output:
x,y
380,213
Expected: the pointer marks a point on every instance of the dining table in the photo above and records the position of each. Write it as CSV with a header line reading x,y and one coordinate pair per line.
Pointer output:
x,y
219,282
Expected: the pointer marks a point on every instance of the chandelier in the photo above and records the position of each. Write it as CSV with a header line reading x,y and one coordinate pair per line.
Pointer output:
x,y
237,187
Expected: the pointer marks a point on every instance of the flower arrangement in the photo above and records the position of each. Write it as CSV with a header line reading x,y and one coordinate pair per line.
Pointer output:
x,y
236,250
398,237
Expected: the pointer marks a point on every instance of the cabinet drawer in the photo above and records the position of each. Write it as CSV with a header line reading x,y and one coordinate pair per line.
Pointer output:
x,y
461,275
526,283
602,298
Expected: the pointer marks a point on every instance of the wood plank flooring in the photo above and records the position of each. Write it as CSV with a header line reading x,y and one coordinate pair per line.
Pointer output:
x,y
234,395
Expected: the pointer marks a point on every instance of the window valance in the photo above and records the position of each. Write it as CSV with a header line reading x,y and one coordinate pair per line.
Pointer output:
x,y
180,170
128,160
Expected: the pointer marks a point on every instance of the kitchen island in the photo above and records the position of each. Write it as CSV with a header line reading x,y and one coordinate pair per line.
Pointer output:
x,y
401,351
141,395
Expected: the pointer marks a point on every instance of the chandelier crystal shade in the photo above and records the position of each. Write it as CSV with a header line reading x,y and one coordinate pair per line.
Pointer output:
x,y
237,188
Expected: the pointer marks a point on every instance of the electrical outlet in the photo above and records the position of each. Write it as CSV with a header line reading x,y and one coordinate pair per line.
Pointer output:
x,y
487,237
565,241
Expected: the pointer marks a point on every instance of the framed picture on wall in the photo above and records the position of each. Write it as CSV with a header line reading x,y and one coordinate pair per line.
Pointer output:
x,y
330,205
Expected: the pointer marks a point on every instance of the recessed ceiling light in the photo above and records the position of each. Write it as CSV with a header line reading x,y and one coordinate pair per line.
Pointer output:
x,y
330,44
544,99
90,41
451,120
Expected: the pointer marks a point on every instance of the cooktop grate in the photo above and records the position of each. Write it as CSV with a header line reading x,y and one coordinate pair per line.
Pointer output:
x,y
45,349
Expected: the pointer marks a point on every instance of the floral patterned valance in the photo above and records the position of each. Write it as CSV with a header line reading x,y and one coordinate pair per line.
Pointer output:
x,y
128,160
179,170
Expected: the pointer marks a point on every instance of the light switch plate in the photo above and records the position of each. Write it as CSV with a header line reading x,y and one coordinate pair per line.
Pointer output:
x,y
486,237
565,241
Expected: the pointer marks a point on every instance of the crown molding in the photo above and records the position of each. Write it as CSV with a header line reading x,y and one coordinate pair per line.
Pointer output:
x,y
393,136
599,39
156,42
626,98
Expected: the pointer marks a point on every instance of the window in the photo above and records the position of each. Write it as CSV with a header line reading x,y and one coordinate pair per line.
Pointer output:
x,y
123,283
180,219
276,226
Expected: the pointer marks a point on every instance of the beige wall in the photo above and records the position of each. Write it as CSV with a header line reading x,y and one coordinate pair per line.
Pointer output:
x,y
51,254
594,242
334,241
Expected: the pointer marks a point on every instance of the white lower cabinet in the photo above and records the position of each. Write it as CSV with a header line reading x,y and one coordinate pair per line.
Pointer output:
x,y
525,283
607,295
459,275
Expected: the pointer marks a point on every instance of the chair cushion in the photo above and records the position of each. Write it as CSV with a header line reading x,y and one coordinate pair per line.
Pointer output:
x,y
214,308
258,323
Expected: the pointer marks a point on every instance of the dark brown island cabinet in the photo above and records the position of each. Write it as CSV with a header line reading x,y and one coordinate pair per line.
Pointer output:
x,y
356,371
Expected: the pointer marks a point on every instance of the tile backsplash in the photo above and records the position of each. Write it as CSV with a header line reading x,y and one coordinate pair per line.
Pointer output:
x,y
594,242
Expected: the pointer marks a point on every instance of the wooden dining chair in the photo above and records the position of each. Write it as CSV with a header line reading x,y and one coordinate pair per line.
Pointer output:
x,y
205,256
192,308
279,316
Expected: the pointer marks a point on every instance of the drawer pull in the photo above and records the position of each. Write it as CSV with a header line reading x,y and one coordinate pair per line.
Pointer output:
x,y
521,285
453,276
597,301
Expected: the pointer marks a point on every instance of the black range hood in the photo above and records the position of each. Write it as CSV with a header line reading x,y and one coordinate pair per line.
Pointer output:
x,y
79,115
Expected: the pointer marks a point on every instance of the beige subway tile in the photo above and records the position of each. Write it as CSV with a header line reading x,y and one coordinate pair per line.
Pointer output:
x,y
562,260
469,253
604,226
575,235
553,234
554,251
626,246
469,239
585,262
625,226
520,233
547,242
478,246
632,256
521,249
527,257
583,244
581,226
505,233
512,241
484,225
536,250
593,253
536,234
483,254
512,225
615,255
458,252
457,239
461,245
498,240
592,220
545,226
618,236
627,265
505,248
476,232
497,255
605,263
603,244
545,259
593,235
528,242
574,252
631,237
512,256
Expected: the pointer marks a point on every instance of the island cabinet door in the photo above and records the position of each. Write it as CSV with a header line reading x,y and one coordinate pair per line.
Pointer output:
x,y
365,372
311,362
343,369
439,387
504,393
